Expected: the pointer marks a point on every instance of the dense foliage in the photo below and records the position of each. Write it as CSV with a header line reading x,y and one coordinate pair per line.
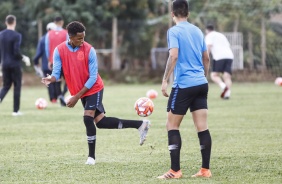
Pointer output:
x,y
142,24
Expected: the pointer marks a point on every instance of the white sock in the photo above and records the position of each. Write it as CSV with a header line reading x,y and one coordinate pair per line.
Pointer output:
x,y
222,85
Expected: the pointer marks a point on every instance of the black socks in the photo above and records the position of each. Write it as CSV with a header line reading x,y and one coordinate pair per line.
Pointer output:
x,y
91,134
174,146
115,123
205,144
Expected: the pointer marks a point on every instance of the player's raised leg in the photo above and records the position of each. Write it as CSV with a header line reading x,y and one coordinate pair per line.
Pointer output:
x,y
228,82
104,122
215,76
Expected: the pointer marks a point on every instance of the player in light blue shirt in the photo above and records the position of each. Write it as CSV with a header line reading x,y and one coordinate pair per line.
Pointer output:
x,y
189,69
189,59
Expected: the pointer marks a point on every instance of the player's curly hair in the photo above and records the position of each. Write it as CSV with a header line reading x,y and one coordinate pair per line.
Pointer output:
x,y
180,8
75,27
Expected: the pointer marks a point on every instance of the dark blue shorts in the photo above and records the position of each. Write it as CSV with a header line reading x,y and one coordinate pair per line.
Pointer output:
x,y
94,102
195,98
223,65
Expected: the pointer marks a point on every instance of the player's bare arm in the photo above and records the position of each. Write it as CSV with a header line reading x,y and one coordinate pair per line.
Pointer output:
x,y
171,62
209,47
206,62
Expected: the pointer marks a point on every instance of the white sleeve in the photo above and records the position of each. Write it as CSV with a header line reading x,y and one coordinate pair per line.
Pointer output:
x,y
208,39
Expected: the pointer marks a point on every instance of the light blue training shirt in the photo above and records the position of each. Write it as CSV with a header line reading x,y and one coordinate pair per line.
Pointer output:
x,y
189,69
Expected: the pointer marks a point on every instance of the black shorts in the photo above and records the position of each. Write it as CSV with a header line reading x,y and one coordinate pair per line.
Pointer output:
x,y
223,65
94,102
195,98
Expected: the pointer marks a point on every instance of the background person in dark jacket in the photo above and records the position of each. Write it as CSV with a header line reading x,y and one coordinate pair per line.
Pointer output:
x,y
11,58
44,70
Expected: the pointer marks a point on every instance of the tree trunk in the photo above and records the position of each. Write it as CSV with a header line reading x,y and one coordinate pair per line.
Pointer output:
x,y
236,23
263,43
169,14
250,48
170,81
115,56
39,27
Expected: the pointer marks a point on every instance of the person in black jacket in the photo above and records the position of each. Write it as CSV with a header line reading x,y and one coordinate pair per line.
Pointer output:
x,y
11,58
44,70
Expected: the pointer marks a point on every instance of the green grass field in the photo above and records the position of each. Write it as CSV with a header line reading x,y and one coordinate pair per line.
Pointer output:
x,y
49,146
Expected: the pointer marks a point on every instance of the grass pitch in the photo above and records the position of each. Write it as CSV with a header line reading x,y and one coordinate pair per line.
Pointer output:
x,y
49,146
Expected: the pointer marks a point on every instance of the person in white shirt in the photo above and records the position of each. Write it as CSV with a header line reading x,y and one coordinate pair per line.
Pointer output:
x,y
219,47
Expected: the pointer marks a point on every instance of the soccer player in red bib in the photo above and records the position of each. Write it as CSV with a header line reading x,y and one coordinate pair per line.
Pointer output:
x,y
78,61
52,39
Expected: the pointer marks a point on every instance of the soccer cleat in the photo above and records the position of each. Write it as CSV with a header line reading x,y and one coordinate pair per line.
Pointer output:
x,y
227,95
223,92
54,100
226,98
90,161
143,130
171,175
17,113
206,173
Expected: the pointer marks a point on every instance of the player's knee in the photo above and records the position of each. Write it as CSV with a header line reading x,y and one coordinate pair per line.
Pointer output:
x,y
226,75
89,113
214,74
172,126
88,120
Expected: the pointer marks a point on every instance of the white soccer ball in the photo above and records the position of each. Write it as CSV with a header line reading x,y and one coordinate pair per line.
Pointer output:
x,y
278,81
144,107
152,94
41,103
67,98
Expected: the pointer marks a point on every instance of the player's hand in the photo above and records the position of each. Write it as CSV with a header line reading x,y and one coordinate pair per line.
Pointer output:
x,y
26,60
46,80
72,101
164,88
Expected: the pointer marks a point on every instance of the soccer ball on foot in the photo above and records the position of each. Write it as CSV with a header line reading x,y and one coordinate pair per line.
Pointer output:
x,y
41,103
144,107
152,94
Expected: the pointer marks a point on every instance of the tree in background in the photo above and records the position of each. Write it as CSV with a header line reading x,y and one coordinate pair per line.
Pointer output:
x,y
249,17
142,24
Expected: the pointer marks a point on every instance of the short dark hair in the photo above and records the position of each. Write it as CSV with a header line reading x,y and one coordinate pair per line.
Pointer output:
x,y
210,27
75,27
58,19
180,8
10,19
